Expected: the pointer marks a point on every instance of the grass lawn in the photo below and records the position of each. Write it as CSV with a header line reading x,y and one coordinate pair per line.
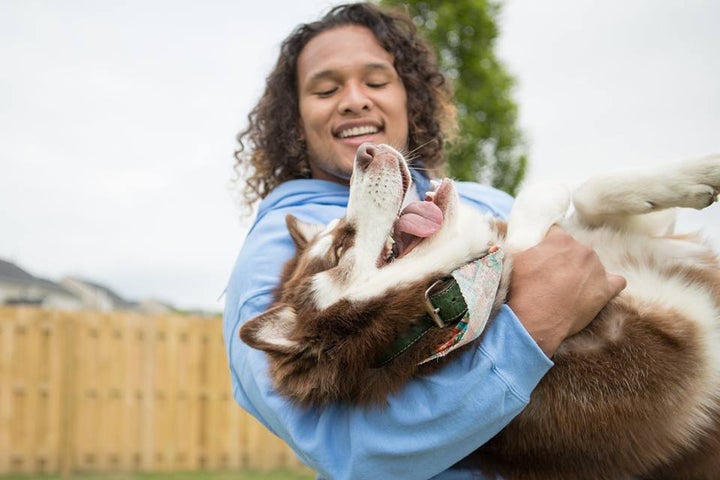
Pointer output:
x,y
240,475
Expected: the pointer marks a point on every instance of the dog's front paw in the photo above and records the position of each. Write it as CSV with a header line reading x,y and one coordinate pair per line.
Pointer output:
x,y
699,196
536,209
698,184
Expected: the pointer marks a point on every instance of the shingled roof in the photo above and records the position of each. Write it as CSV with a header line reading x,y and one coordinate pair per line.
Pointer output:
x,y
11,273
117,300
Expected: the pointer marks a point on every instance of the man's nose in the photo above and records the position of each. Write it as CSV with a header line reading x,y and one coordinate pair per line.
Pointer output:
x,y
354,99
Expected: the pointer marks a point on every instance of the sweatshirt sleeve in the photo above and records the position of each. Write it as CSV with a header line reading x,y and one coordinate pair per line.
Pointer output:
x,y
431,424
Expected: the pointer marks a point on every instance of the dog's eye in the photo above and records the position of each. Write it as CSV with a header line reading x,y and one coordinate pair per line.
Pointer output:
x,y
343,242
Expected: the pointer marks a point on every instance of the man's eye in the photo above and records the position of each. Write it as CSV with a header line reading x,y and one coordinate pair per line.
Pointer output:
x,y
326,93
377,85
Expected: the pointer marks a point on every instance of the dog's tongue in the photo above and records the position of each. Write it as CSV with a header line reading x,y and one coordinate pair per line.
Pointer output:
x,y
420,219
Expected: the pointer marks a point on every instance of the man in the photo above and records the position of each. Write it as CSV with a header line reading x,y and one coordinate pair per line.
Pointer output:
x,y
361,74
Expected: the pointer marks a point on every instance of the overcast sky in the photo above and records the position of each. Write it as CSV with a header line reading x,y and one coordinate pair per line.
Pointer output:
x,y
118,120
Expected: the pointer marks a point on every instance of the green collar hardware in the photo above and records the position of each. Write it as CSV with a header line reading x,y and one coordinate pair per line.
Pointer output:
x,y
464,300
444,305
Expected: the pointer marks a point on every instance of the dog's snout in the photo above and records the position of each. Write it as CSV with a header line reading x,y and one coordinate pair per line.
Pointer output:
x,y
365,155
369,153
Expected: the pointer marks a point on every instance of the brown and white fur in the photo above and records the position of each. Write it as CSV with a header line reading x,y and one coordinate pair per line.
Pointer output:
x,y
637,393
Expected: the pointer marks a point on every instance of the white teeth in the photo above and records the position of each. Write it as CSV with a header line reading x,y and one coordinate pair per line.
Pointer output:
x,y
389,242
430,194
357,131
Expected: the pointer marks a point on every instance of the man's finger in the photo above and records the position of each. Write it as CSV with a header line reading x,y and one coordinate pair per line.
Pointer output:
x,y
555,230
617,283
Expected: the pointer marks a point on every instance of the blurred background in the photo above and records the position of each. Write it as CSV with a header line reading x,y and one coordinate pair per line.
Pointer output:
x,y
118,120
117,133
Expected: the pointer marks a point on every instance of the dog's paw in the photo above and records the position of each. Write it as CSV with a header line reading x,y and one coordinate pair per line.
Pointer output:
x,y
698,183
549,201
698,196
536,209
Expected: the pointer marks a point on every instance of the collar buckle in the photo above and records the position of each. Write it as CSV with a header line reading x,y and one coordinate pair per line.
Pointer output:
x,y
432,310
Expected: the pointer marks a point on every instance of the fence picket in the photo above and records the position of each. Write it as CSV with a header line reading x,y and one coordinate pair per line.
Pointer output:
x,y
113,392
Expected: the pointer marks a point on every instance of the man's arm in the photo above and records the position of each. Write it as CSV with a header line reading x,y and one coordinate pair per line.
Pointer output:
x,y
431,424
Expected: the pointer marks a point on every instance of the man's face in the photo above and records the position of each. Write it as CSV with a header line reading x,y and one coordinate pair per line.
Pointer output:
x,y
349,93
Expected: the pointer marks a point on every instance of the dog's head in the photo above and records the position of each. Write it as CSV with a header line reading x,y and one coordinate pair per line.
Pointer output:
x,y
357,284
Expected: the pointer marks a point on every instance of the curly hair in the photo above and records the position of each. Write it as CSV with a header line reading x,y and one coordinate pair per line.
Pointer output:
x,y
271,148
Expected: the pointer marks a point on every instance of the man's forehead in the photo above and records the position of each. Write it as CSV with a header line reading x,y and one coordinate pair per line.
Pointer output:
x,y
342,48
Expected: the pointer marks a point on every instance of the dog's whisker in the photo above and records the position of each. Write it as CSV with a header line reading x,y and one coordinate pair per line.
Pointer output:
x,y
417,148
419,169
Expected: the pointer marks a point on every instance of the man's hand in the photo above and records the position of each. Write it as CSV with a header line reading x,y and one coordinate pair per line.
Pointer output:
x,y
558,287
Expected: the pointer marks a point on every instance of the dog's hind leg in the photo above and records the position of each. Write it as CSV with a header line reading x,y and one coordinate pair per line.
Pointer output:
x,y
618,199
699,462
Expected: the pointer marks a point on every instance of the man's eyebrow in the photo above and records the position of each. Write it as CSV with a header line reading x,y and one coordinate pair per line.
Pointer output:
x,y
331,74
322,75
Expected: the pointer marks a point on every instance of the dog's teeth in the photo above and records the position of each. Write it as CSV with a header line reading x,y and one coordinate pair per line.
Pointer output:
x,y
430,194
389,246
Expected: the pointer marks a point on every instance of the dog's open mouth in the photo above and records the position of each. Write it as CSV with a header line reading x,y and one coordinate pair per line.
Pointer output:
x,y
416,222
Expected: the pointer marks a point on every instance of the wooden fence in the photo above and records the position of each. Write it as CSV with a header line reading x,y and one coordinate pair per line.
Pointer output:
x,y
90,391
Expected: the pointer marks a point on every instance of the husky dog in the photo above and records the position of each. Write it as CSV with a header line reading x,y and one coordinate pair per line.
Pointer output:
x,y
636,393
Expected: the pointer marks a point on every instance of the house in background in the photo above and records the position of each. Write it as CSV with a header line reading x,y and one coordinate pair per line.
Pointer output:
x,y
95,296
99,297
154,307
18,287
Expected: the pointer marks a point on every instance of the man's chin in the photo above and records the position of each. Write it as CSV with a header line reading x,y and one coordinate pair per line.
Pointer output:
x,y
333,173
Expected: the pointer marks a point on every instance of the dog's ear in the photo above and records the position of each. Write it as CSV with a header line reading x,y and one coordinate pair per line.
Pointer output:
x,y
270,331
302,232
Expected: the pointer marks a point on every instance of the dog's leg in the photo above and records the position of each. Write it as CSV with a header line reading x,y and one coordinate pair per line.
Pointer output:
x,y
535,210
617,200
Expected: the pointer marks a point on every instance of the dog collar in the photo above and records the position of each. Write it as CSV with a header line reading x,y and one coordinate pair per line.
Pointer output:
x,y
462,301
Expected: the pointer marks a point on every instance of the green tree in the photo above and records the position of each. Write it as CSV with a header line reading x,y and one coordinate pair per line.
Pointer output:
x,y
489,147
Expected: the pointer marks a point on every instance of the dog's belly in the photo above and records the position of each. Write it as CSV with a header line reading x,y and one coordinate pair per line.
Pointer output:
x,y
651,353
669,274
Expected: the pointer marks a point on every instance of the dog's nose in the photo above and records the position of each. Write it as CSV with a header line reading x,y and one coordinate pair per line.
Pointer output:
x,y
365,155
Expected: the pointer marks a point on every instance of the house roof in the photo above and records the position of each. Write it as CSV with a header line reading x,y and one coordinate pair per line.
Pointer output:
x,y
116,299
11,273
15,276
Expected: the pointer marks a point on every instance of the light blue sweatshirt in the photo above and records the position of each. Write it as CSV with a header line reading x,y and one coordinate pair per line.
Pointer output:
x,y
434,422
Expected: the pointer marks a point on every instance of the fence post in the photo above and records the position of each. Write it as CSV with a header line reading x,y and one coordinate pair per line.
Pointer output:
x,y
67,395
6,337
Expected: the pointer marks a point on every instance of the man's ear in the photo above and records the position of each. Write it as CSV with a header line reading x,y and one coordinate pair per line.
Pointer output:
x,y
270,331
302,232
